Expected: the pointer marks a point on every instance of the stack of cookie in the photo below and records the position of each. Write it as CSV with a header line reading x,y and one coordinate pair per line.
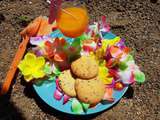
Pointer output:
x,y
82,81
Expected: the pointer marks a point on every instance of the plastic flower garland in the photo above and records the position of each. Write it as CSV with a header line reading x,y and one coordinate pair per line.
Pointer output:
x,y
54,53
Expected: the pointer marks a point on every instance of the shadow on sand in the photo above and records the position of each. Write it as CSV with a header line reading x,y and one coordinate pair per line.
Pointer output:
x,y
8,111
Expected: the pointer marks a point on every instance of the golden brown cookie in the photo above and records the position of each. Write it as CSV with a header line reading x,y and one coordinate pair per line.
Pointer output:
x,y
85,67
67,83
90,91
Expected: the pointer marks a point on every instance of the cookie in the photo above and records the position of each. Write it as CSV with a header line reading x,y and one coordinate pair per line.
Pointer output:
x,y
85,67
90,91
67,83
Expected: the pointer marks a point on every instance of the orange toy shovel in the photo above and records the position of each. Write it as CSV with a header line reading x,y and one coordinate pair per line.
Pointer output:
x,y
33,29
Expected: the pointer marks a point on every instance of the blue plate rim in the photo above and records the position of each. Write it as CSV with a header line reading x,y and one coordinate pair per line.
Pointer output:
x,y
111,105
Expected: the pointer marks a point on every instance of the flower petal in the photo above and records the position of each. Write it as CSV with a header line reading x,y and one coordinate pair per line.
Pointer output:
x,y
107,80
28,78
60,57
22,65
105,26
36,40
40,62
38,74
103,74
58,95
30,58
115,51
126,76
27,71
24,68
65,99
108,95
57,84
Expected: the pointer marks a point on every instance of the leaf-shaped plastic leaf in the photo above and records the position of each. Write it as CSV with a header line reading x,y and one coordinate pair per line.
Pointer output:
x,y
76,45
85,106
81,38
47,68
139,76
123,65
76,106
129,58
57,72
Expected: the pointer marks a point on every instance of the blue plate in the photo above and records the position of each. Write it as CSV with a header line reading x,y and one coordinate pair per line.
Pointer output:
x,y
46,91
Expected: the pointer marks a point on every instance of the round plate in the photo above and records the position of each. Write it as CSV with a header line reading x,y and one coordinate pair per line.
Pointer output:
x,y
46,91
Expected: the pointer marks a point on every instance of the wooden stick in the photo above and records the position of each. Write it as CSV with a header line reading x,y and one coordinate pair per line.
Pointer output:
x,y
12,70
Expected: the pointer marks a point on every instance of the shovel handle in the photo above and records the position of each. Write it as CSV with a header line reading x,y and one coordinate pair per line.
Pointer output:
x,y
12,70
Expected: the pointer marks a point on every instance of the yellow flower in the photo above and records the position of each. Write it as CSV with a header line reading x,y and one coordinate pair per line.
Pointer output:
x,y
100,52
103,75
32,67
106,43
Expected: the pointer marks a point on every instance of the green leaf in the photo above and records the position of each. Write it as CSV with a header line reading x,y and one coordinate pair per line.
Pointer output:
x,y
51,77
139,76
85,106
76,106
57,72
123,65
82,37
129,58
76,44
47,69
